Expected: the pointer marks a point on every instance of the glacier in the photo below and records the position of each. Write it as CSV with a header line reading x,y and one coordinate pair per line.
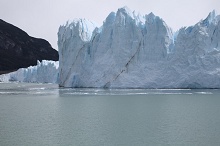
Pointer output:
x,y
131,50
44,72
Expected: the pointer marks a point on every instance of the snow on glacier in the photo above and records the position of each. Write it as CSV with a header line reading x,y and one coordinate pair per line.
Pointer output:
x,y
134,51
44,72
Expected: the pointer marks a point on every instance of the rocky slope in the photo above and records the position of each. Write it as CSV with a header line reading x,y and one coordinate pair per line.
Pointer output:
x,y
19,50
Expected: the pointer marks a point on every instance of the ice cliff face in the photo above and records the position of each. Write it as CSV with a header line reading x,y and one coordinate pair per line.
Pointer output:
x,y
134,51
118,44
44,72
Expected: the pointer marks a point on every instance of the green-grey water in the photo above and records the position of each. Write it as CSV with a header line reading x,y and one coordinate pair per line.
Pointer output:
x,y
43,114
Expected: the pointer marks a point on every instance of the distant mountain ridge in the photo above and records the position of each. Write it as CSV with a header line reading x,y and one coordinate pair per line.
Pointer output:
x,y
19,50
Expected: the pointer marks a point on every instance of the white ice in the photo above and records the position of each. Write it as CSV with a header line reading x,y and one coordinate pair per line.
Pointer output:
x,y
131,50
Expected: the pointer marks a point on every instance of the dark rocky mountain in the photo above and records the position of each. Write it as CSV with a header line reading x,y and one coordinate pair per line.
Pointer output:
x,y
19,50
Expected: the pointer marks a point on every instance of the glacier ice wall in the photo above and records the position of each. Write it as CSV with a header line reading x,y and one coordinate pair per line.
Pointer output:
x,y
44,72
134,51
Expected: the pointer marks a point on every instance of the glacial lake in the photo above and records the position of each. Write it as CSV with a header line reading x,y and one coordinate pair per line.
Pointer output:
x,y
43,114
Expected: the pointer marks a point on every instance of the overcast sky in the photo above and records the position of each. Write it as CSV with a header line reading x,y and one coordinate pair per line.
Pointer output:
x,y
42,18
